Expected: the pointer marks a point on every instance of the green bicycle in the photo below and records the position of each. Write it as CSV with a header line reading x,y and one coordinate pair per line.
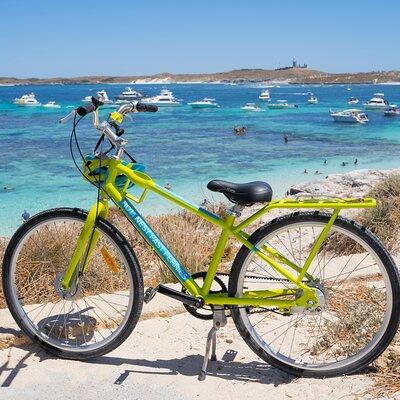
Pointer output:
x,y
310,292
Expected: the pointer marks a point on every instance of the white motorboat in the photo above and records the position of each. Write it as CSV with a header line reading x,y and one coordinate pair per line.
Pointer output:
x,y
205,103
312,99
377,102
27,100
164,99
102,96
280,104
392,111
251,107
128,95
51,104
264,96
352,115
353,100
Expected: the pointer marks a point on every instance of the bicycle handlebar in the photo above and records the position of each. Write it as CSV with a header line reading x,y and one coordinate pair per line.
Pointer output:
x,y
138,107
83,110
105,127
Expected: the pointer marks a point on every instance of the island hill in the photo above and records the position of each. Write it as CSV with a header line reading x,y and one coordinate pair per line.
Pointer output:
x,y
292,75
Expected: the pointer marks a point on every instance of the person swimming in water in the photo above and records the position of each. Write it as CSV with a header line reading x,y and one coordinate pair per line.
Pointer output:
x,y
355,161
285,138
305,172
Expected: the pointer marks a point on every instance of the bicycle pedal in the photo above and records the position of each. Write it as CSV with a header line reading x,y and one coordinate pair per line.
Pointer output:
x,y
149,294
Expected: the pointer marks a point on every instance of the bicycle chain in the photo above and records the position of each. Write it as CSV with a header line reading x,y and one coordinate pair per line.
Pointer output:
x,y
254,310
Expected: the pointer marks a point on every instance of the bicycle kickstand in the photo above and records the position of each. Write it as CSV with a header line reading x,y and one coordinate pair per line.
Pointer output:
x,y
219,320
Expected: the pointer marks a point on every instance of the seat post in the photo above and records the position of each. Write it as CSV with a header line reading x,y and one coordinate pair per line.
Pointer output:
x,y
236,210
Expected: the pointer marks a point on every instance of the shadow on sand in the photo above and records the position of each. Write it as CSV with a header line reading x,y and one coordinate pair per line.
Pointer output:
x,y
224,368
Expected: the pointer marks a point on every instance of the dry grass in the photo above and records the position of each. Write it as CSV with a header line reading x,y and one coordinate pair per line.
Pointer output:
x,y
363,307
190,238
384,220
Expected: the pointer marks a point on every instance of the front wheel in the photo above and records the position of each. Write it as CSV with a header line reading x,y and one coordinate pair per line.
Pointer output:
x,y
359,283
101,309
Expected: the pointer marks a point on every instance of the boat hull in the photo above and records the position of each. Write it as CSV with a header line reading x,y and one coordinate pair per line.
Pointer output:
x,y
375,106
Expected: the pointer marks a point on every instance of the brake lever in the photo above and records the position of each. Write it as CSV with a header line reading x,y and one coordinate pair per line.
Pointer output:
x,y
67,117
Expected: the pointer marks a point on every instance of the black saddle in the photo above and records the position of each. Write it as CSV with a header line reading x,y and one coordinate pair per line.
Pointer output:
x,y
243,194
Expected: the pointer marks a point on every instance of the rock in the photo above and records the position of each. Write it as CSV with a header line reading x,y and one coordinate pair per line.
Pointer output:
x,y
352,184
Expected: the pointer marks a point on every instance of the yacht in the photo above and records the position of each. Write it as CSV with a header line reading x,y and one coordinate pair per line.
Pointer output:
x,y
312,99
165,98
280,104
51,104
392,111
250,107
128,95
377,102
205,103
352,115
264,96
101,94
27,100
353,100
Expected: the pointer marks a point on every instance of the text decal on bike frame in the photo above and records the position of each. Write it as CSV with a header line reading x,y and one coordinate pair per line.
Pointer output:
x,y
151,237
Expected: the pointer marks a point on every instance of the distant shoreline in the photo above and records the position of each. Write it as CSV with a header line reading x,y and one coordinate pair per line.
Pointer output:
x,y
242,76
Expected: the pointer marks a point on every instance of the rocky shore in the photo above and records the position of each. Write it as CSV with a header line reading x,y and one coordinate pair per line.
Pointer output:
x,y
352,184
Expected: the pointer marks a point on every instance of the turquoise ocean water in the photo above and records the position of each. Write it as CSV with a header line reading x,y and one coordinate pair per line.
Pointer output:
x,y
188,147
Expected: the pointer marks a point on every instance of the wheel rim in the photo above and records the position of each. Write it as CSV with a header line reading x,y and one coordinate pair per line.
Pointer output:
x,y
283,337
98,312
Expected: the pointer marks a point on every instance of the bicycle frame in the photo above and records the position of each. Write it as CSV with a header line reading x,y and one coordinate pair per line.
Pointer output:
x,y
262,298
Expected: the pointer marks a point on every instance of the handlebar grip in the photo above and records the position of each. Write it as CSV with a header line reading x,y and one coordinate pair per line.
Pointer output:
x,y
143,107
83,110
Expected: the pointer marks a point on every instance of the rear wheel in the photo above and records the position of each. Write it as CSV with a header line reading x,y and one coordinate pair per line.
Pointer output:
x,y
359,284
98,313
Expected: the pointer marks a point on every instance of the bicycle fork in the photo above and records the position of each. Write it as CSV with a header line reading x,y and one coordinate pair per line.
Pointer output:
x,y
85,245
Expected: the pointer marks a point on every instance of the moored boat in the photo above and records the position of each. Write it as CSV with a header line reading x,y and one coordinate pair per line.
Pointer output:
x,y
376,102
312,99
251,107
352,115
164,99
27,100
51,104
392,111
128,95
353,100
264,96
281,104
205,103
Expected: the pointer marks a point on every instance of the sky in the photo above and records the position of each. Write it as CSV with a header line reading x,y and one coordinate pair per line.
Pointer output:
x,y
50,38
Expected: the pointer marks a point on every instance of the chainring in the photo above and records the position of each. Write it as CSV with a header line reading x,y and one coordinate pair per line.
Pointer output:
x,y
206,312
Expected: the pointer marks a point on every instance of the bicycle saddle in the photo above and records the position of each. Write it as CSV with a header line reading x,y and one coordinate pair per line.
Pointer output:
x,y
243,194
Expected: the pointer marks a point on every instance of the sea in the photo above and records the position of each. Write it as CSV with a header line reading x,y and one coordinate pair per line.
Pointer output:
x,y
186,148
